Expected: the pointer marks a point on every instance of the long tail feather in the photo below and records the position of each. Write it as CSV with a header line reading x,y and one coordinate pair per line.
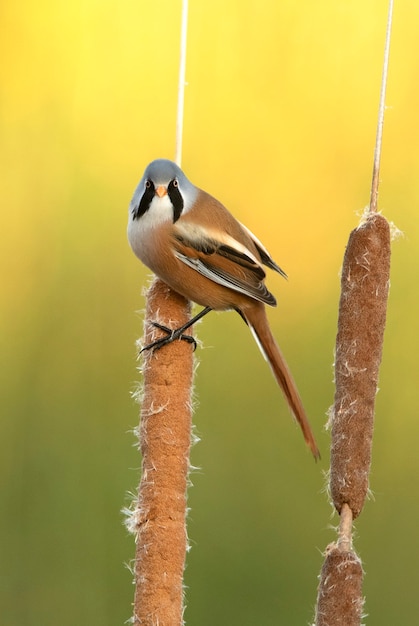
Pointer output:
x,y
259,325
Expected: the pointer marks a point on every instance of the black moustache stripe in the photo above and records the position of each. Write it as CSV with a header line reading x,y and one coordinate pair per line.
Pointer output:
x,y
176,200
145,202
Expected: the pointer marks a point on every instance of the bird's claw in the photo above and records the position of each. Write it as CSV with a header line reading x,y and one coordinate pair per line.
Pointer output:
x,y
172,335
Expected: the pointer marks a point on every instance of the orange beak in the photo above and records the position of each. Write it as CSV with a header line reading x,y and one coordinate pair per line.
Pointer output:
x,y
161,191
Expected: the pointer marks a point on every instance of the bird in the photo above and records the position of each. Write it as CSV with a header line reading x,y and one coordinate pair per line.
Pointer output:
x,y
200,250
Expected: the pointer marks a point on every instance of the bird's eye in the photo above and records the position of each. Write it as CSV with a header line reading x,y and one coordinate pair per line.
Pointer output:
x,y
175,183
148,184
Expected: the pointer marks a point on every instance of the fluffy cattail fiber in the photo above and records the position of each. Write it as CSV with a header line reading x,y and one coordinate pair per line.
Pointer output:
x,y
362,316
158,518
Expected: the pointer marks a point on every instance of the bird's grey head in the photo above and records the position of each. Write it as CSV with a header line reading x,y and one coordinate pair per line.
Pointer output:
x,y
163,177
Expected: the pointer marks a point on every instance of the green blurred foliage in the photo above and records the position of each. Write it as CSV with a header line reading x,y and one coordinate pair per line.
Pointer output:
x,y
280,119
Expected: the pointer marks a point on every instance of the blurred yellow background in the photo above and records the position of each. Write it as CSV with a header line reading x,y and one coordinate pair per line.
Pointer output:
x,y
280,118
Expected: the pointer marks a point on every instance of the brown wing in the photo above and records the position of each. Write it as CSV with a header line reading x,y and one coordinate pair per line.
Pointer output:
x,y
221,258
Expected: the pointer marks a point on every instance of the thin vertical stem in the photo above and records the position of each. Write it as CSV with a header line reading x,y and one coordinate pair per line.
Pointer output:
x,y
181,86
380,124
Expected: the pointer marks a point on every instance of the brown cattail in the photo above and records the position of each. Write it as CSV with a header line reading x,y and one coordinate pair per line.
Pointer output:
x,y
362,316
158,518
340,584
359,341
340,600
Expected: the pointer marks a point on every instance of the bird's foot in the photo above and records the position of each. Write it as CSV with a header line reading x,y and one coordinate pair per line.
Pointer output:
x,y
172,335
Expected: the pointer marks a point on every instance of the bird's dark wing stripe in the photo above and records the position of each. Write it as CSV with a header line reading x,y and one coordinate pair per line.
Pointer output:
x,y
269,262
208,246
241,259
219,276
264,254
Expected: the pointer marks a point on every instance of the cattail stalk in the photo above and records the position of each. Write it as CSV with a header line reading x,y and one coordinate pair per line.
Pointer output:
x,y
159,516
362,316
359,342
